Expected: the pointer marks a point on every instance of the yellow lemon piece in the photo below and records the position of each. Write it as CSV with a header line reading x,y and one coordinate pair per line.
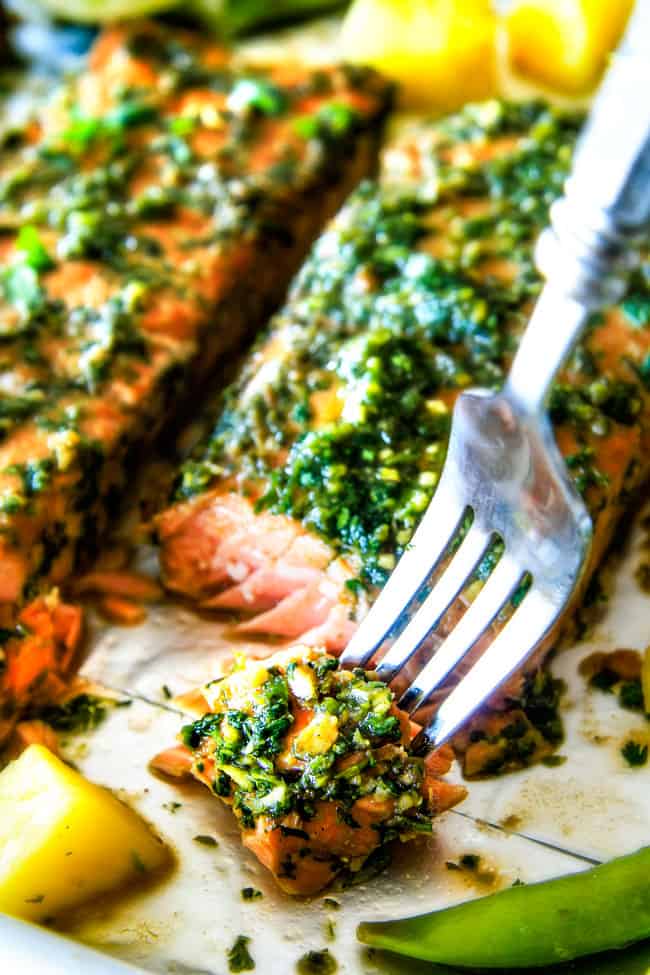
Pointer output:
x,y
442,53
64,840
565,43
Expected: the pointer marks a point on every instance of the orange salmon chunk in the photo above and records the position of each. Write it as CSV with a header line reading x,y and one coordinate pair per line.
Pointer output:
x,y
316,764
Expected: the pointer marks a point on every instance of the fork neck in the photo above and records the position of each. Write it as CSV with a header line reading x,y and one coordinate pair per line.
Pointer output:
x,y
588,247
584,257
556,324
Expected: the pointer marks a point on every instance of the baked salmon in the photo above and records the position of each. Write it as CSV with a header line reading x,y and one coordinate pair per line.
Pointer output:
x,y
152,212
315,762
37,655
331,441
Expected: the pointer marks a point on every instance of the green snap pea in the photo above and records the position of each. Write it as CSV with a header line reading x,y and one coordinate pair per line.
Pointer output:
x,y
531,925
633,960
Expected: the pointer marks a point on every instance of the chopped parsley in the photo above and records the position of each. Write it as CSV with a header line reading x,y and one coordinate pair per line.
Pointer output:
x,y
527,730
30,245
204,840
634,753
250,894
349,432
317,963
616,673
172,807
106,189
331,904
239,957
81,713
349,748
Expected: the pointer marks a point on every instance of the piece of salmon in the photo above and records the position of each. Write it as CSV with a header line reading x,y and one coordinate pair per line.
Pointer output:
x,y
315,763
331,441
37,655
152,213
286,581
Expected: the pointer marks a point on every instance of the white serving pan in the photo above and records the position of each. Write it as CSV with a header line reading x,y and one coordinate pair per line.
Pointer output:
x,y
30,950
545,821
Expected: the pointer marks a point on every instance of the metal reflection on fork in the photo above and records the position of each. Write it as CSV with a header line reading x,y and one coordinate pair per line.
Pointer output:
x,y
504,477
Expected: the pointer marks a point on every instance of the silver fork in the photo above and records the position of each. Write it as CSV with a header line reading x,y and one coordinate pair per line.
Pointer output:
x,y
503,471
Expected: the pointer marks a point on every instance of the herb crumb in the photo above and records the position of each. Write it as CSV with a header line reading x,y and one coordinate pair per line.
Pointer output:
x,y
553,761
250,893
331,904
634,753
317,963
239,957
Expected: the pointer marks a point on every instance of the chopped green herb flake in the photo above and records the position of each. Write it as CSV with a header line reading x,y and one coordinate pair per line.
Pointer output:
x,y
384,333
205,840
634,753
34,253
251,894
81,713
172,807
630,695
239,957
317,963
350,748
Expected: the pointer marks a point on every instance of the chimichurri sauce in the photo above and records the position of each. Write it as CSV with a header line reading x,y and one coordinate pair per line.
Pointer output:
x,y
132,190
417,291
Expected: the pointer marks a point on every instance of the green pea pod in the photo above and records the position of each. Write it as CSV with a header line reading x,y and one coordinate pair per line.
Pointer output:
x,y
531,925
633,960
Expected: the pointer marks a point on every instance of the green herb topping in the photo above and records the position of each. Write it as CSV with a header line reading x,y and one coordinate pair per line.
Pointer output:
x,y
317,963
351,747
634,753
239,957
418,290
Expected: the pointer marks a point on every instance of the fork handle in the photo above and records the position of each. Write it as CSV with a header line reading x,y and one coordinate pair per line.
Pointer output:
x,y
589,246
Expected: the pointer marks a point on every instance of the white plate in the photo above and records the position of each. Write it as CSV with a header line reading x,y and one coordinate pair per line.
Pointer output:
x,y
593,805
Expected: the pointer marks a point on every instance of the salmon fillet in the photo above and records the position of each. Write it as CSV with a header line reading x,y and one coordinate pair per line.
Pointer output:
x,y
152,212
316,764
331,441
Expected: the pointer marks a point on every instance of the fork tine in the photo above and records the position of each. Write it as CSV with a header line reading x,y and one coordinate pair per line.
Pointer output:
x,y
492,598
444,592
523,632
427,547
